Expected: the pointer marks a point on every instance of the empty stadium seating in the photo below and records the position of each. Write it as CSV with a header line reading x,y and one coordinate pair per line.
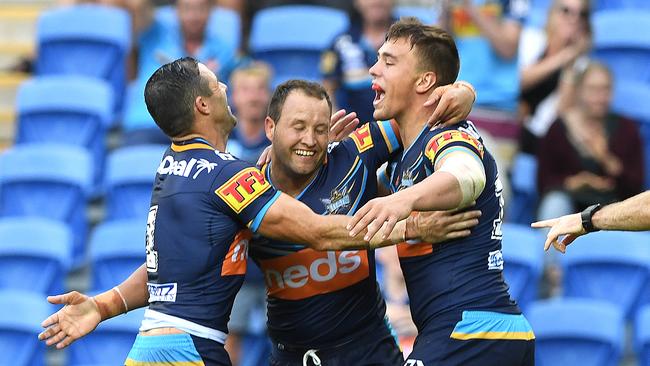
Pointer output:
x,y
34,254
577,332
87,39
51,181
66,109
523,251
117,248
610,266
128,189
291,38
21,314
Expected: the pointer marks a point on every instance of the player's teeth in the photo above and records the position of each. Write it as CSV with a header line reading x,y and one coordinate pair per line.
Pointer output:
x,y
304,153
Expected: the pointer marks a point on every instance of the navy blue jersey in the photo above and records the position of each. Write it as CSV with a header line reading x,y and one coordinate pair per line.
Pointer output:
x,y
461,274
205,204
317,299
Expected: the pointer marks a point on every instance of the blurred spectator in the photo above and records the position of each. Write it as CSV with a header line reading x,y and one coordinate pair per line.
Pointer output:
x,y
548,60
487,35
159,43
589,155
250,95
345,65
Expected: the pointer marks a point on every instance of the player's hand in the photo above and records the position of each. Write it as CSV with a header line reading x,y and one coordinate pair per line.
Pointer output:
x,y
265,157
453,104
568,225
379,213
78,317
341,125
439,226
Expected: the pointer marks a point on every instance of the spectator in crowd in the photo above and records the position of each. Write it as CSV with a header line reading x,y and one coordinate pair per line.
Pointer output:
x,y
589,155
159,43
487,35
346,63
548,61
250,96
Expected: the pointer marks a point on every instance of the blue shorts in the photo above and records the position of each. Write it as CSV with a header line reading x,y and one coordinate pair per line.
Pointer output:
x,y
479,338
370,347
176,349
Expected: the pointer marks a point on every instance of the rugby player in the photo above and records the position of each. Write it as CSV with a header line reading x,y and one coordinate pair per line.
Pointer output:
x,y
196,242
458,298
330,311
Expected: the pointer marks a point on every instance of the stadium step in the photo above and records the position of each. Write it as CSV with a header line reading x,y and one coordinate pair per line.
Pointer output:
x,y
18,32
9,83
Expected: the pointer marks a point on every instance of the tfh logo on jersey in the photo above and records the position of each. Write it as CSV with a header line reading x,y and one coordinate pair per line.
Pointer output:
x,y
243,188
443,139
183,168
308,272
362,138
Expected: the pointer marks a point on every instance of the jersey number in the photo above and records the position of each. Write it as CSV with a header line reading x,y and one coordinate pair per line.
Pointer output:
x,y
496,224
152,255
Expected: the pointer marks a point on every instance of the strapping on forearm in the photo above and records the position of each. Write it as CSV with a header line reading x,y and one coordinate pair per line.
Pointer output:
x,y
111,303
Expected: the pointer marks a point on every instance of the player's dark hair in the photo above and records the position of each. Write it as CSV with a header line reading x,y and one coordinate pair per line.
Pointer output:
x,y
170,93
435,48
309,88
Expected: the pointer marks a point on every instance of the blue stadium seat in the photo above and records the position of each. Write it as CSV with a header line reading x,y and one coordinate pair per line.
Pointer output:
x,y
109,344
21,313
116,250
620,44
68,109
642,336
129,180
34,254
87,39
523,181
577,332
50,181
523,254
609,266
601,5
631,100
291,38
223,23
425,15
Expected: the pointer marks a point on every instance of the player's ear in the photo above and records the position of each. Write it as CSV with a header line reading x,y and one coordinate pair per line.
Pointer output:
x,y
201,105
426,82
269,127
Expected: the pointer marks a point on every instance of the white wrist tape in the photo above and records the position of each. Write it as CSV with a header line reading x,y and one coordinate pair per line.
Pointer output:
x,y
468,171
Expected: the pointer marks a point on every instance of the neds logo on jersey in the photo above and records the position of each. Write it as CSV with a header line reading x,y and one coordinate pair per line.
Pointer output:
x,y
362,138
243,188
308,272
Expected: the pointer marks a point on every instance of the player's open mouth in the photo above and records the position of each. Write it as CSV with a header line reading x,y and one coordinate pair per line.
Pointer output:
x,y
304,152
379,94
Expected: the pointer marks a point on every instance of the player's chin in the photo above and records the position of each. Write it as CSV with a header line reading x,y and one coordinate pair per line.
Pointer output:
x,y
379,114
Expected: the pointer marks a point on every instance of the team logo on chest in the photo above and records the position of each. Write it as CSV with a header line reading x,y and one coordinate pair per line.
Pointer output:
x,y
338,201
408,179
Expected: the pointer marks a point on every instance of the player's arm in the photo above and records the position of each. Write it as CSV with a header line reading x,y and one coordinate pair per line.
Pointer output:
x,y
291,220
81,314
458,179
633,214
